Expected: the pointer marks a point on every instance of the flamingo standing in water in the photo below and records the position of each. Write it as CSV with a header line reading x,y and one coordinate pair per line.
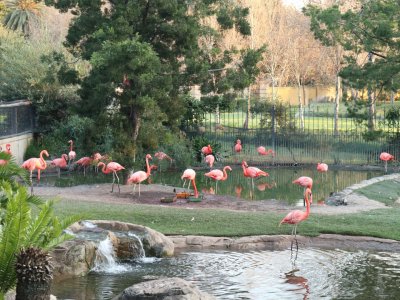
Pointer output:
x,y
114,168
35,163
161,156
322,168
262,151
190,174
84,162
252,172
71,153
305,182
386,157
139,176
218,175
297,216
60,163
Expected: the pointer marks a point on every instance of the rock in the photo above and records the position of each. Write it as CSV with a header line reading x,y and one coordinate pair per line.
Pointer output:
x,y
154,243
73,258
164,289
128,248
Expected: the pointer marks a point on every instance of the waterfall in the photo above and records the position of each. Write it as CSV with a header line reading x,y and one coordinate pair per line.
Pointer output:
x,y
141,252
105,258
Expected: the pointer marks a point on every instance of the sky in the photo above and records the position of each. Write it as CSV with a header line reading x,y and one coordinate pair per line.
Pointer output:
x,y
297,3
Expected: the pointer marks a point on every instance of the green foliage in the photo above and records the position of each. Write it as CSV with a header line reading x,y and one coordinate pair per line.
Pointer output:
x,y
179,149
19,13
199,142
272,114
392,116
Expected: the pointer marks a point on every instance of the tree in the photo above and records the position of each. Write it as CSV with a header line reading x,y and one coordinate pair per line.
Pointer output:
x,y
143,91
369,29
20,13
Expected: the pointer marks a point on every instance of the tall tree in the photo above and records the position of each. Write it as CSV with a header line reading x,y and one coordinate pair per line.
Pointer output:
x,y
370,29
146,55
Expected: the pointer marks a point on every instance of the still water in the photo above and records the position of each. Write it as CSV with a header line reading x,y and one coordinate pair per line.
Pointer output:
x,y
316,274
278,185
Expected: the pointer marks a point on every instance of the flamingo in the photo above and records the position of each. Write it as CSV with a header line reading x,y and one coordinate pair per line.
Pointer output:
x,y
35,163
321,167
206,150
238,146
218,175
297,216
139,176
3,161
252,172
190,174
8,149
161,156
96,159
386,157
114,168
209,159
60,163
71,153
261,150
305,182
84,162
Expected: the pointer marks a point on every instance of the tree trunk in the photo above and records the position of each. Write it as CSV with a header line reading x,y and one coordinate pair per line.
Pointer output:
x,y
337,101
371,110
136,122
32,291
248,112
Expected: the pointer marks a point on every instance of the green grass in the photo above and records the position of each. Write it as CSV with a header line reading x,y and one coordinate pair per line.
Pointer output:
x,y
383,223
387,192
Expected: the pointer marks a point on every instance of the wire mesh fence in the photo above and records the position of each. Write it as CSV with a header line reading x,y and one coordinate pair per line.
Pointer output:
x,y
16,118
296,136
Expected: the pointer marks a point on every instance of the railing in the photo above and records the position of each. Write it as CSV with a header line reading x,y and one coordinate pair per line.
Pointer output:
x,y
16,118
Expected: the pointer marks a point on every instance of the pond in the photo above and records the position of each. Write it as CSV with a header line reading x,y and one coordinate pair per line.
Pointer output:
x,y
330,274
278,185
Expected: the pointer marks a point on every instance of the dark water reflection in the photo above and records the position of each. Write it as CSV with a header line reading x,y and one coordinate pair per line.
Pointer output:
x,y
277,186
316,274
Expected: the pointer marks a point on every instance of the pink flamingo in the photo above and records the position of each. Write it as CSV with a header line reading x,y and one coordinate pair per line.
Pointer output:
x,y
190,174
8,149
96,159
3,161
261,150
71,153
238,146
321,167
139,176
297,216
218,175
209,159
206,150
60,163
84,162
386,157
114,168
252,172
161,156
305,182
35,163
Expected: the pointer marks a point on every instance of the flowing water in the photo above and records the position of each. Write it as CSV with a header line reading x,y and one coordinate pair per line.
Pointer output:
x,y
316,274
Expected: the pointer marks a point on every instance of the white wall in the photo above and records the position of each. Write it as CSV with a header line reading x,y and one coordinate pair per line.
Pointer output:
x,y
18,145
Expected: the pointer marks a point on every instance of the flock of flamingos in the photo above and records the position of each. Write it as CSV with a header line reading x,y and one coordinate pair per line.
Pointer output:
x,y
294,217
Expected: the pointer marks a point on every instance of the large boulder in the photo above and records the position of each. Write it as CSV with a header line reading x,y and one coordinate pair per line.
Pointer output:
x,y
154,243
73,258
163,289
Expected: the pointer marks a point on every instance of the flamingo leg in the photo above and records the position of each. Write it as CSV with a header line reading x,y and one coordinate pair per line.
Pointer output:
x,y
38,173
59,172
84,171
119,190
385,166
184,182
134,189
216,186
139,189
112,187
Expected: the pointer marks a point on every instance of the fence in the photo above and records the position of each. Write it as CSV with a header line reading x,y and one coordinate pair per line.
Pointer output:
x,y
16,118
297,137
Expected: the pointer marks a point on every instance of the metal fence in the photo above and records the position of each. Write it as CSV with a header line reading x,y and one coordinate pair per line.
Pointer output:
x,y
297,140
16,118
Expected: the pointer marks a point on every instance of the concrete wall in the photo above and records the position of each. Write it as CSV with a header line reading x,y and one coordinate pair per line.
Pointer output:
x,y
18,144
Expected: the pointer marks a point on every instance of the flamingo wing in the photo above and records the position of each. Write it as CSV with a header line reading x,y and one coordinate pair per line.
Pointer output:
x,y
189,174
137,177
215,174
294,217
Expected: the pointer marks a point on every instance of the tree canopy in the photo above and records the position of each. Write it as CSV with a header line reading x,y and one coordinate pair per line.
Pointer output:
x,y
145,56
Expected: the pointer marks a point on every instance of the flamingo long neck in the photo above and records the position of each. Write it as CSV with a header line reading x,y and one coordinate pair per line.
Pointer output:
x,y
244,170
65,157
196,193
42,161
104,168
148,167
225,174
307,194
70,147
